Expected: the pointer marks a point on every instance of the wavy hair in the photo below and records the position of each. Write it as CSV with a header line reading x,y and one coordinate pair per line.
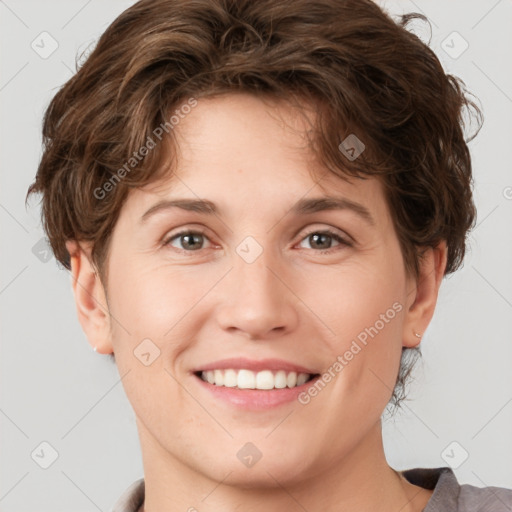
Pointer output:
x,y
368,73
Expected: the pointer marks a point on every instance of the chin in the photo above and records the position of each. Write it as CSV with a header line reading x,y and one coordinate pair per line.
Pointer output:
x,y
273,469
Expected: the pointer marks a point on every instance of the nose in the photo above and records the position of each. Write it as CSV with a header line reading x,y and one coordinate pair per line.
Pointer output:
x,y
257,301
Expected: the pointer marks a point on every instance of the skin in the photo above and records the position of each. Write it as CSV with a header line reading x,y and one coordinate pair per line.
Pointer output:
x,y
251,159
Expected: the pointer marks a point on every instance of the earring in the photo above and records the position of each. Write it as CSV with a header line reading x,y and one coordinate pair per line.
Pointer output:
x,y
94,349
417,335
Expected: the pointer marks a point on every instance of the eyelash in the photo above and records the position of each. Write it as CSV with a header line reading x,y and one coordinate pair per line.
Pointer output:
x,y
342,241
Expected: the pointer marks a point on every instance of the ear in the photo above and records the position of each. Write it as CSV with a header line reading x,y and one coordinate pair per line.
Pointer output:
x,y
90,297
422,294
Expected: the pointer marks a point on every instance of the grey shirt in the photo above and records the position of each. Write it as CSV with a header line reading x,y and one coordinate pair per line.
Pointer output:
x,y
448,495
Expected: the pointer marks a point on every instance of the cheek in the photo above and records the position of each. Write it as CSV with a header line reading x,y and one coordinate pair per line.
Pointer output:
x,y
163,304
356,297
365,313
152,310
152,300
160,303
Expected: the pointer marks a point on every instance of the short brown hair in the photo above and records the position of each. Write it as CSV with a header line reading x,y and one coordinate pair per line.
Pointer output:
x,y
373,77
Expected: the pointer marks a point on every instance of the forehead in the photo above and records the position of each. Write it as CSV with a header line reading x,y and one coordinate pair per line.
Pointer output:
x,y
255,152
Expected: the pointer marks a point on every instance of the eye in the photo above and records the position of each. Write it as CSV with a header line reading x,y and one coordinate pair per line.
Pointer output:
x,y
322,240
190,240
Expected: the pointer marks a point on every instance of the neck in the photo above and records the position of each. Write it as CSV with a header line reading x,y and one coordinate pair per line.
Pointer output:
x,y
361,481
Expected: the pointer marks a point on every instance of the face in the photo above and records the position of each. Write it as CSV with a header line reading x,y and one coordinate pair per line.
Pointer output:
x,y
258,285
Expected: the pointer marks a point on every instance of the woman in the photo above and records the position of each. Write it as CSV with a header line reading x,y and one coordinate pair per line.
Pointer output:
x,y
258,202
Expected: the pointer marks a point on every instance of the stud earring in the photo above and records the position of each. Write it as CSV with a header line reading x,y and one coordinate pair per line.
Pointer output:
x,y
94,349
417,335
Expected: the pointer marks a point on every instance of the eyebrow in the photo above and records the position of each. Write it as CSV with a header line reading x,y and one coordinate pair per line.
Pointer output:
x,y
302,207
313,205
191,205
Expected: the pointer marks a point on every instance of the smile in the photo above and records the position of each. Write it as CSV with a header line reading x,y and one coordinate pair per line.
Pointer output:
x,y
248,379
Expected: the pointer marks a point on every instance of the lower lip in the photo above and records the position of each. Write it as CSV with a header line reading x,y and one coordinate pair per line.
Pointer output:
x,y
255,399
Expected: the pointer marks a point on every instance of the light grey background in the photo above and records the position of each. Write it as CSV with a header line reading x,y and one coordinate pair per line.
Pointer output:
x,y
56,389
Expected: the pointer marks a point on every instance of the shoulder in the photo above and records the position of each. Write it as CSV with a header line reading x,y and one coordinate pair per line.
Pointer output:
x,y
131,499
450,495
480,499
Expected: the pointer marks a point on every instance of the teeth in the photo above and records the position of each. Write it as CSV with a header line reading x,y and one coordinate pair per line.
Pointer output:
x,y
280,379
302,378
291,379
218,376
230,379
264,380
247,379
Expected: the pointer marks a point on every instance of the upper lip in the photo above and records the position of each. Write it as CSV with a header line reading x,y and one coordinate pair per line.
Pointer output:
x,y
239,363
